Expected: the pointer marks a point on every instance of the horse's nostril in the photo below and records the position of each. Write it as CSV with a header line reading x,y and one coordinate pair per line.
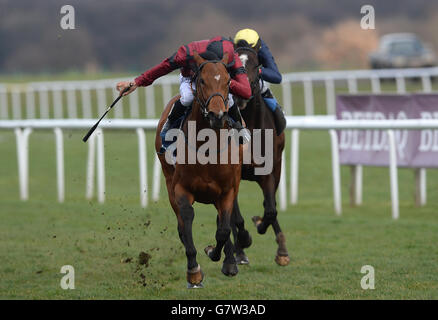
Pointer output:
x,y
216,120
214,116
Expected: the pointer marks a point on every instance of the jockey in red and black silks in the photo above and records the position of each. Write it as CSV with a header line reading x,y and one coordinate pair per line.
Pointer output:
x,y
213,49
183,60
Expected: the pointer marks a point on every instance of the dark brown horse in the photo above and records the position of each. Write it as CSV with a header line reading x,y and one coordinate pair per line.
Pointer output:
x,y
216,184
257,116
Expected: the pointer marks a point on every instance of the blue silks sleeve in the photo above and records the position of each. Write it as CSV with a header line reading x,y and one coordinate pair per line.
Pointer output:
x,y
270,71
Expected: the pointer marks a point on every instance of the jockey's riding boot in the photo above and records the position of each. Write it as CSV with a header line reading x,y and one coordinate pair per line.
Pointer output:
x,y
244,135
174,114
280,120
272,104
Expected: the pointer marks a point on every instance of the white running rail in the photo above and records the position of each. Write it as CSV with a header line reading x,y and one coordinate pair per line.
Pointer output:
x,y
89,98
23,129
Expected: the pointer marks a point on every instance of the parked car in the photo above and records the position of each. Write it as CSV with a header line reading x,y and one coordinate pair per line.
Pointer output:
x,y
402,50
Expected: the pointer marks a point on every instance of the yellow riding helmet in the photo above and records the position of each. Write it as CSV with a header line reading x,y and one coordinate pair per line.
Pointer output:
x,y
249,35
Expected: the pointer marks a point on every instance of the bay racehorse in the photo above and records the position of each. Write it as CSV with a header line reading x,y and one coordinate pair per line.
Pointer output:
x,y
258,116
208,183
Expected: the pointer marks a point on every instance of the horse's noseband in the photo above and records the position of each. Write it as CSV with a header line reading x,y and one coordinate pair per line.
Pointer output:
x,y
204,104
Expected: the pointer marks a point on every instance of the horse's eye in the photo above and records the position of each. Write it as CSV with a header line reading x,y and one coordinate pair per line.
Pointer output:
x,y
202,81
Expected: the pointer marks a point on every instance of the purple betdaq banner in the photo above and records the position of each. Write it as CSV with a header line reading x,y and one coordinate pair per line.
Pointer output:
x,y
415,148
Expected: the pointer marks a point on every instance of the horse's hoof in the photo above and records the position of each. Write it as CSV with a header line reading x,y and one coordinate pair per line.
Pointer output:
x,y
208,251
195,277
242,259
229,269
244,239
258,224
257,220
282,260
195,286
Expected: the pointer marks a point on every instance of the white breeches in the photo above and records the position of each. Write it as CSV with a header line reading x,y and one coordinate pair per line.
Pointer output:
x,y
187,93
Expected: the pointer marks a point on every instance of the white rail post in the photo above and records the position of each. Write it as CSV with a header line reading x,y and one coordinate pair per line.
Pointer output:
x,y
330,95
57,102
427,85
287,97
308,97
30,103
282,184
86,103
157,179
60,164
352,84
16,103
420,190
420,174
3,103
101,99
91,161
167,92
375,84
142,160
401,85
336,172
100,166
44,102
356,192
150,101
356,185
393,174
22,138
294,161
71,103
24,191
133,105
118,112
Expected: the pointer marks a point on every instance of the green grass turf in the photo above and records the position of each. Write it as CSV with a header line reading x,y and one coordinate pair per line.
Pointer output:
x,y
39,236
327,252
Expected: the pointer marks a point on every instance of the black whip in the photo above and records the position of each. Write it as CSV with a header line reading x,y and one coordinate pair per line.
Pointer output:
x,y
107,110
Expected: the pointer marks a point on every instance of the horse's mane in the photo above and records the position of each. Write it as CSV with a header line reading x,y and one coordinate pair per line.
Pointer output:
x,y
242,44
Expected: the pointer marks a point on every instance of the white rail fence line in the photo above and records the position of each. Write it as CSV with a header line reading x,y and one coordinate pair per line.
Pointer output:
x,y
55,97
23,128
331,124
95,160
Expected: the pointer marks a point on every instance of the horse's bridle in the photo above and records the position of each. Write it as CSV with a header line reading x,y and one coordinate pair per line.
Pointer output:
x,y
204,104
254,85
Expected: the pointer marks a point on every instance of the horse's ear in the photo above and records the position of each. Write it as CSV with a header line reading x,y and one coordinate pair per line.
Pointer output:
x,y
198,59
225,58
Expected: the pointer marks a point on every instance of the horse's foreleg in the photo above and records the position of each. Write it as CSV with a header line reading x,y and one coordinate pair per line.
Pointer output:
x,y
269,186
267,183
185,220
282,257
223,241
242,238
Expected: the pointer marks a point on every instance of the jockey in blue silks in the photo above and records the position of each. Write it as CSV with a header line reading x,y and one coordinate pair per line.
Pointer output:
x,y
268,72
